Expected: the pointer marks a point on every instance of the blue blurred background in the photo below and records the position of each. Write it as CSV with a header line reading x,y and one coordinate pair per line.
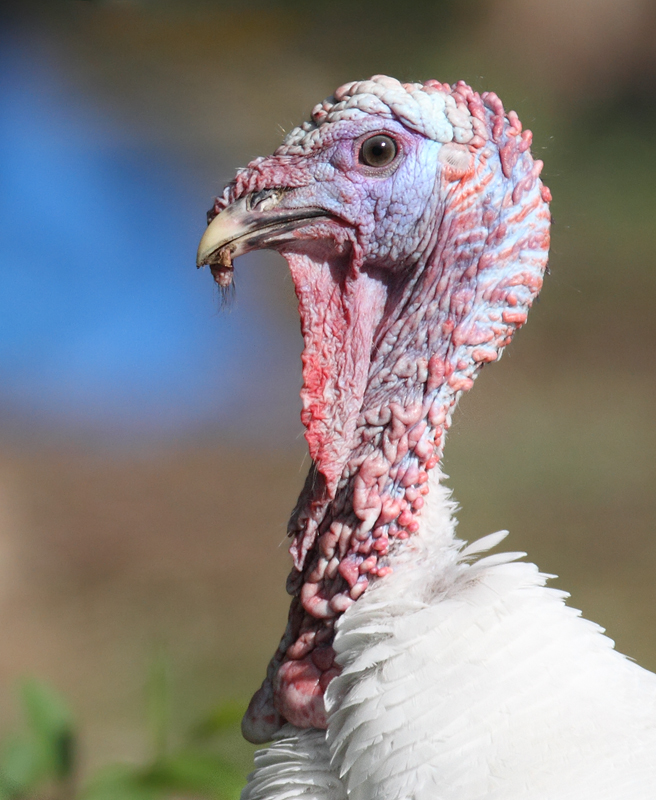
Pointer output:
x,y
151,445
105,327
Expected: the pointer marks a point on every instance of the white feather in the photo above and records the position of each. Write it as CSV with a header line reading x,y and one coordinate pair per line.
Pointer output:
x,y
296,765
483,544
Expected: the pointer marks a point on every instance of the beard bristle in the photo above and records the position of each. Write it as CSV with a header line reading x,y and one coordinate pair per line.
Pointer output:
x,y
227,292
224,277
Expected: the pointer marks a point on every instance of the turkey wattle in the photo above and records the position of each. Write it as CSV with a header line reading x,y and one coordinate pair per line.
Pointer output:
x,y
416,229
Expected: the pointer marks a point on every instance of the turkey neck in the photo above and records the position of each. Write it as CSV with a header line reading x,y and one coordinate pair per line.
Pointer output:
x,y
379,390
381,442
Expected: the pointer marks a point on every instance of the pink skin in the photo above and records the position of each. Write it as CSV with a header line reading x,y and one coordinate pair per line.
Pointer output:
x,y
421,276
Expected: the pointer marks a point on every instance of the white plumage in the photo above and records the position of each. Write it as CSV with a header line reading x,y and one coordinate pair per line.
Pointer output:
x,y
465,679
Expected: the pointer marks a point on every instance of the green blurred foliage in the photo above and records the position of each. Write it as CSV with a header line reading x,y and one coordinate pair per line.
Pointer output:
x,y
40,762
44,753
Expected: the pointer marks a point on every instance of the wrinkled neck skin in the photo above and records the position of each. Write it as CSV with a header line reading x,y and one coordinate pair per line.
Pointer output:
x,y
388,351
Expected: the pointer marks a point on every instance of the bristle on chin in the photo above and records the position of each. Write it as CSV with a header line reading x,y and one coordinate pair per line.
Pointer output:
x,y
226,296
223,273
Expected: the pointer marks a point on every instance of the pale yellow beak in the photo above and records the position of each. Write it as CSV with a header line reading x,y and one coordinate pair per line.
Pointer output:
x,y
225,229
251,223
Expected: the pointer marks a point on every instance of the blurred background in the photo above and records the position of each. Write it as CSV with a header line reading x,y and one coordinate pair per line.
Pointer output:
x,y
151,448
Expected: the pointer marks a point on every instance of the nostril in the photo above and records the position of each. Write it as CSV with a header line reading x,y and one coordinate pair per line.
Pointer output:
x,y
264,200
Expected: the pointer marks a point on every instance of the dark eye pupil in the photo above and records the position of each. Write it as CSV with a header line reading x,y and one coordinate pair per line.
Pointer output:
x,y
379,151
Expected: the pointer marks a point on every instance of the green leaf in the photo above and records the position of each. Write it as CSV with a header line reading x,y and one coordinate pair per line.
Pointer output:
x,y
226,716
208,775
50,721
21,766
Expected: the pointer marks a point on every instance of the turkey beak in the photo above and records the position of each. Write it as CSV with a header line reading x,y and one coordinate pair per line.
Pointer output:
x,y
250,223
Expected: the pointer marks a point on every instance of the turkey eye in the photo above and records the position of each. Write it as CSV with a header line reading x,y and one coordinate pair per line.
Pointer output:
x,y
379,151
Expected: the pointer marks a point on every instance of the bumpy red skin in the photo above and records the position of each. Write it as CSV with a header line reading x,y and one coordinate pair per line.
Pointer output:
x,y
384,364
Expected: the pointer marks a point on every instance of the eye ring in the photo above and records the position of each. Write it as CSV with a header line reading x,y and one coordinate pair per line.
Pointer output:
x,y
378,151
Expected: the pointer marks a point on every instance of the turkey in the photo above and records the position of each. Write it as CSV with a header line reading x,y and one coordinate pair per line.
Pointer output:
x,y
416,229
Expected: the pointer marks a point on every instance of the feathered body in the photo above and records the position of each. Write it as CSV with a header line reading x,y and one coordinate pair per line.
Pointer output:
x,y
412,667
